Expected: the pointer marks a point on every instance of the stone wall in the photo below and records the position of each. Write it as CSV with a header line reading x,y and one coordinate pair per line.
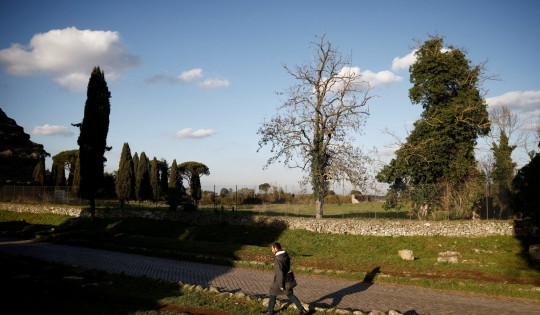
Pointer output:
x,y
470,228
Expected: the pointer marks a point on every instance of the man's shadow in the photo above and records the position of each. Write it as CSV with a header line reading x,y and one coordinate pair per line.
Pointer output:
x,y
337,296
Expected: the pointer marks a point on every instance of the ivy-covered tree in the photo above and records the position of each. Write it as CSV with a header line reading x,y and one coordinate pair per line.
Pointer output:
x,y
125,177
39,172
93,136
192,172
314,129
503,172
143,189
436,164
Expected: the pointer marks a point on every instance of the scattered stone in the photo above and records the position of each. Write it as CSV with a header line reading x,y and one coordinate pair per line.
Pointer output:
x,y
393,312
406,254
213,289
342,311
240,294
534,252
376,312
449,257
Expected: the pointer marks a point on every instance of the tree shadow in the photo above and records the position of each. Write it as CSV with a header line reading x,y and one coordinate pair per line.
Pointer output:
x,y
183,239
336,297
528,233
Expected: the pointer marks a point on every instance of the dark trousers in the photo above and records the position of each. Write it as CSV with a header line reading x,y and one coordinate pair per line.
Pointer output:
x,y
291,297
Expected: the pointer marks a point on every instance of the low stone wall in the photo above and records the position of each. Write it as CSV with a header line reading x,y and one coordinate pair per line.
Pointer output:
x,y
374,227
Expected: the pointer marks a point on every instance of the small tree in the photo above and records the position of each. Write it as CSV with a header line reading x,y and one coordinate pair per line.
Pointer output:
x,y
93,136
317,123
265,187
192,172
125,177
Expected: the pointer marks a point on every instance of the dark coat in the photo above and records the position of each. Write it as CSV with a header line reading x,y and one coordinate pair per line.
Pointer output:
x,y
282,265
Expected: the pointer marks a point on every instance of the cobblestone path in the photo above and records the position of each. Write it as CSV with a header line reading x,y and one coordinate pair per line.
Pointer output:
x,y
313,290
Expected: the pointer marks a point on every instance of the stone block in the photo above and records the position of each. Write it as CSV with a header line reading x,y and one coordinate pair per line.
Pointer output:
x,y
406,254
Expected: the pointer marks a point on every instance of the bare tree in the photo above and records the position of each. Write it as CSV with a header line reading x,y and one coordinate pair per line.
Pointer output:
x,y
313,130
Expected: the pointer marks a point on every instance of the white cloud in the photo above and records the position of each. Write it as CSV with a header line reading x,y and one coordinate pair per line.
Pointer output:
x,y
191,75
526,104
403,63
188,77
189,133
210,84
516,100
69,55
374,79
50,130
381,77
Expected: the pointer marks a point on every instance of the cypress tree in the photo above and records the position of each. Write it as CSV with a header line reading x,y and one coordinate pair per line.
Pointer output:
x,y
154,179
135,163
174,196
93,136
164,175
125,178
143,190
77,177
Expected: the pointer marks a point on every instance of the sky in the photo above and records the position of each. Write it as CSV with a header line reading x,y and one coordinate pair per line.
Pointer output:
x,y
194,80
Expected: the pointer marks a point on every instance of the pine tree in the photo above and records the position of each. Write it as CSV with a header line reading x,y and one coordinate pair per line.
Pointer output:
x,y
93,136
125,177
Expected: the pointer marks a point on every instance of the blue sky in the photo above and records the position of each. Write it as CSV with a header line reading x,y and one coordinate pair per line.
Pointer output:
x,y
193,80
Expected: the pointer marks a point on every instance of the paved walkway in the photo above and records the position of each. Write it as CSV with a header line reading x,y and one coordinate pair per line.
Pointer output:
x,y
313,290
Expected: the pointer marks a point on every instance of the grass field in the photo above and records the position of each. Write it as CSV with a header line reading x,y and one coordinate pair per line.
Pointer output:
x,y
495,265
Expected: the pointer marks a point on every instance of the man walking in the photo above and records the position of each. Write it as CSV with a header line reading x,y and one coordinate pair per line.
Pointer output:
x,y
282,265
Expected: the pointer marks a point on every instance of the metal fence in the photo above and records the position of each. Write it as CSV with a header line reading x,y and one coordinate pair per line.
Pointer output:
x,y
50,194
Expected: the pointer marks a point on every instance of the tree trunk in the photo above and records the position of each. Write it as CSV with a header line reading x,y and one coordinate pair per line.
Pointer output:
x,y
319,205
